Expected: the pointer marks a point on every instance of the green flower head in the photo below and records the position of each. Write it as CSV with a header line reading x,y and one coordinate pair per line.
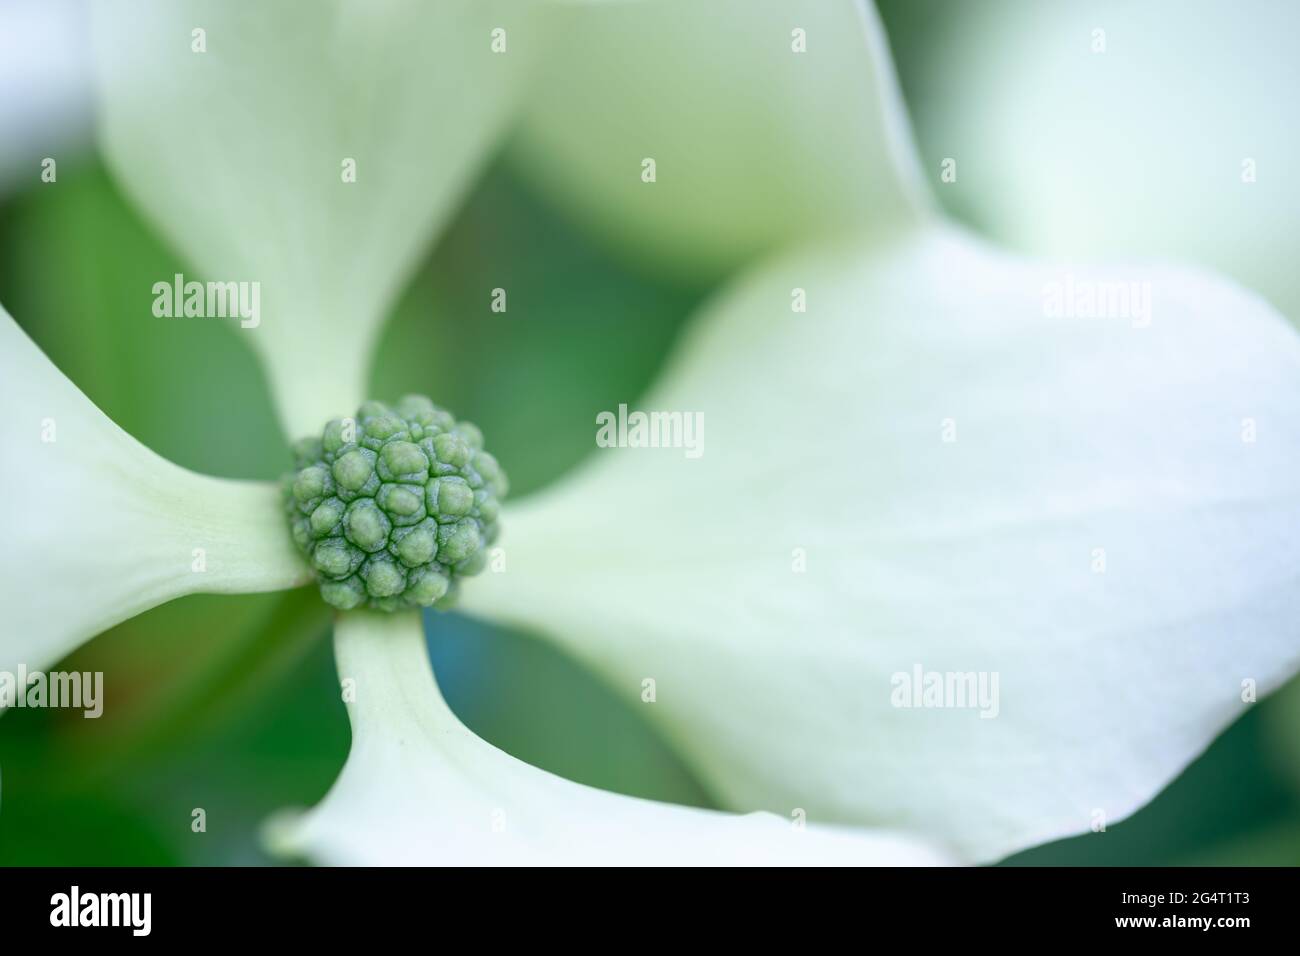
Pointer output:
x,y
394,507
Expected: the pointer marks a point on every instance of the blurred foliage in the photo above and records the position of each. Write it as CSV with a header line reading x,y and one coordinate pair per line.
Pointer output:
x,y
519,693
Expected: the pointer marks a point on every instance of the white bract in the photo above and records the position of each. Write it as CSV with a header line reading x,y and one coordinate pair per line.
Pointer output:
x,y
98,528
830,538
1164,128
311,147
755,145
419,787
930,468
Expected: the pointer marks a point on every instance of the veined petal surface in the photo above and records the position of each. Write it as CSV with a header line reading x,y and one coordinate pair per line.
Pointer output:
x,y
420,789
1081,518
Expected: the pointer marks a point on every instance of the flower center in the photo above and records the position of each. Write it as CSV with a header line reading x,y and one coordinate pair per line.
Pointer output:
x,y
392,508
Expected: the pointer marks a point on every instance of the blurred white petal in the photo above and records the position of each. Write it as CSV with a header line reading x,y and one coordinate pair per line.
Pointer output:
x,y
98,528
825,437
1136,149
238,153
755,145
419,788
44,87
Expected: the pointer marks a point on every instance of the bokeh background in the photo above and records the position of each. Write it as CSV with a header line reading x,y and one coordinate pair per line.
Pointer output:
x,y
231,704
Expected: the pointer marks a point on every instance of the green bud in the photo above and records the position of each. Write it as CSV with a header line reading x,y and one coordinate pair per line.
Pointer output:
x,y
426,586
402,503
451,450
488,504
335,558
395,506
345,594
458,541
365,525
336,436
383,576
455,497
325,519
402,461
486,465
416,408
416,546
384,428
470,434
312,482
354,469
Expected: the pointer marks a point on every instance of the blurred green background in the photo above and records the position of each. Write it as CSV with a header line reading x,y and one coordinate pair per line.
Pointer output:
x,y
231,704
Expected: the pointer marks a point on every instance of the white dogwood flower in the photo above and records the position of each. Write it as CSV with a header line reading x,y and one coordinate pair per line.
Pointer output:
x,y
941,461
